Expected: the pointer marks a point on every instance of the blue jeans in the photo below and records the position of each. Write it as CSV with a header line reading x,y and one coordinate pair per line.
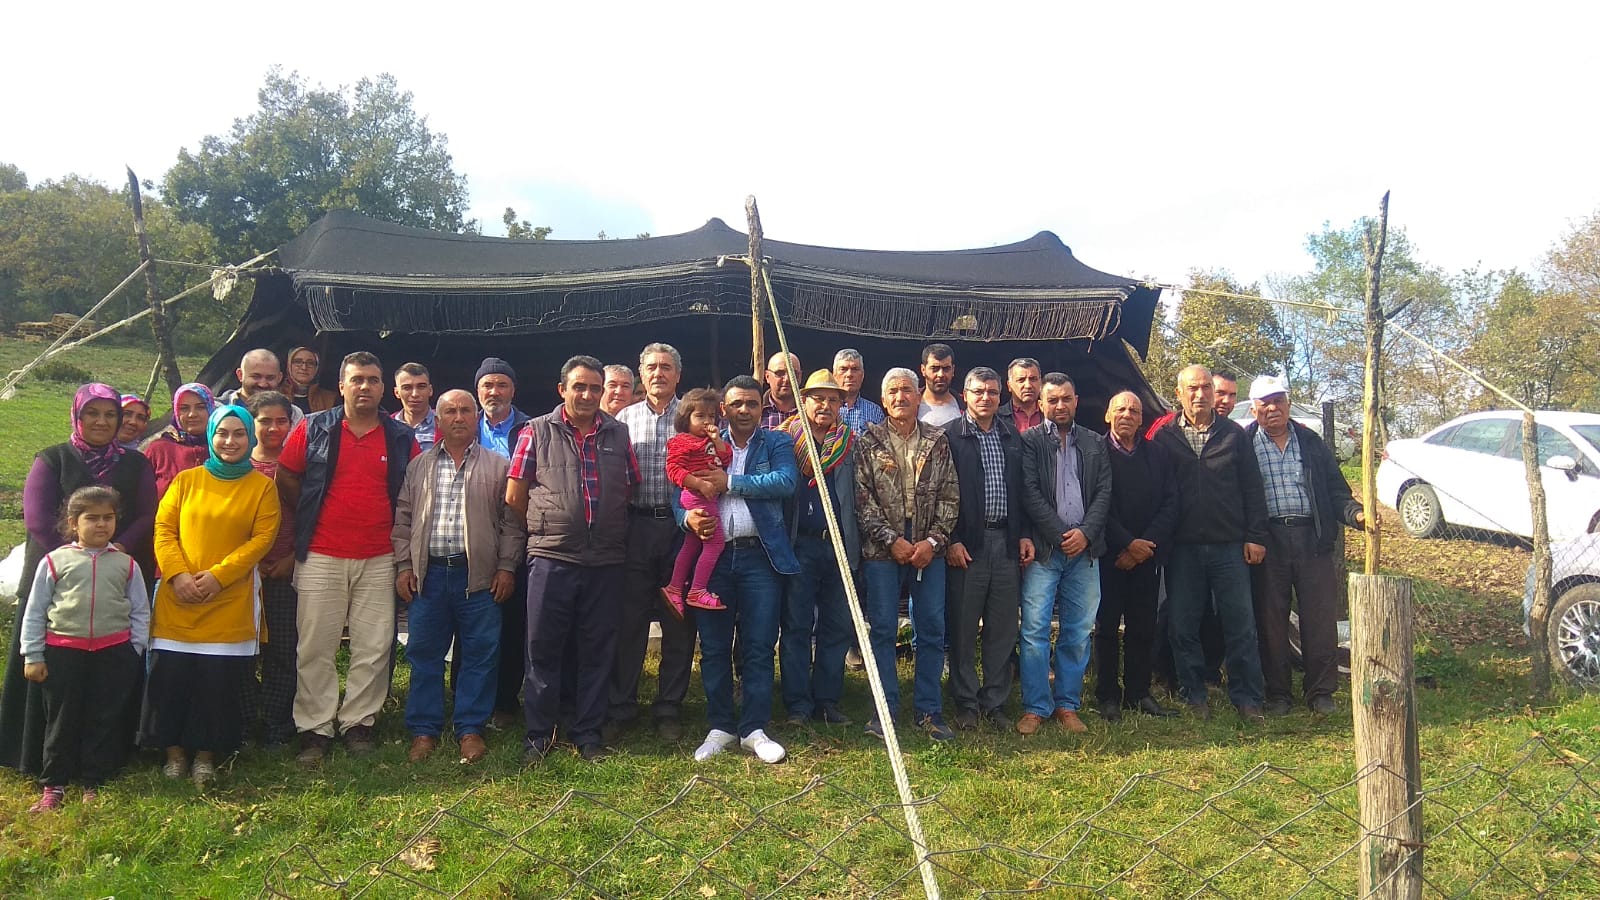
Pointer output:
x,y
1197,573
886,582
439,611
753,592
814,603
1069,588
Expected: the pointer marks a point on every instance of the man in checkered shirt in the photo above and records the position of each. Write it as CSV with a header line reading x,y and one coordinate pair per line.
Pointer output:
x,y
987,546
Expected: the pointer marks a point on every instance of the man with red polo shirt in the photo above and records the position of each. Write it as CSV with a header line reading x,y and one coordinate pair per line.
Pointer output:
x,y
341,470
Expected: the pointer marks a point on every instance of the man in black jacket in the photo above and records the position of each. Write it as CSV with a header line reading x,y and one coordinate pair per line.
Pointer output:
x,y
986,546
1307,499
1144,515
1222,530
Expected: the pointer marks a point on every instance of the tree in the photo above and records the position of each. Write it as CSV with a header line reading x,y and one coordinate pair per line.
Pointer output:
x,y
1573,266
1238,333
65,244
522,230
1536,344
1160,365
308,150
1418,390
12,179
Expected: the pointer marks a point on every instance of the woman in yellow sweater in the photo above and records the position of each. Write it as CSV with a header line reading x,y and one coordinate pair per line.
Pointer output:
x,y
214,524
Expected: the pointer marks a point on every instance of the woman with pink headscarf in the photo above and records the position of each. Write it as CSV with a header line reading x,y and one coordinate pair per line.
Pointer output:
x,y
90,456
135,416
181,445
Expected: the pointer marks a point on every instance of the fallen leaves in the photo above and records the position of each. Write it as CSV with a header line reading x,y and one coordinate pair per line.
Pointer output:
x,y
420,855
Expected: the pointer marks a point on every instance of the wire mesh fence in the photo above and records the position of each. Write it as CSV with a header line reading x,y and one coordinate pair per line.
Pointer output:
x,y
1524,828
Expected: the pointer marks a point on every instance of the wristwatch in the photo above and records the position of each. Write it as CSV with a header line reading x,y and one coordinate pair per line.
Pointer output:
x,y
934,543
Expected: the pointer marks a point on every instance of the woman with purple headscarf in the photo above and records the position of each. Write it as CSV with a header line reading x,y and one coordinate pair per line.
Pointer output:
x,y
181,445
90,456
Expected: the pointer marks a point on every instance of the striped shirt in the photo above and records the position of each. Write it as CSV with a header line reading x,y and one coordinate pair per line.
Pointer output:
x,y
860,414
1283,475
649,432
449,534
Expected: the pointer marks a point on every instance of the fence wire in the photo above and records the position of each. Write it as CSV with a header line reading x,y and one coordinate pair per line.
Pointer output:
x,y
1527,829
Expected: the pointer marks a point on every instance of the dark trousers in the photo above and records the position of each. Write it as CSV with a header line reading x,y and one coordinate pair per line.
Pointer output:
x,y
1127,599
652,550
1294,567
567,601
1210,641
513,637
987,590
194,701
278,602
87,698
1199,575
816,630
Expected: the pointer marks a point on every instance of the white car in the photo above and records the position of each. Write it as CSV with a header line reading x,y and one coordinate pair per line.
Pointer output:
x,y
1469,472
1574,614
1346,440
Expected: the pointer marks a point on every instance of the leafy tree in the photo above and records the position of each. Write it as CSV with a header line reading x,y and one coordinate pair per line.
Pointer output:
x,y
1573,266
12,179
522,230
65,244
308,150
1160,365
1536,344
1417,390
1239,333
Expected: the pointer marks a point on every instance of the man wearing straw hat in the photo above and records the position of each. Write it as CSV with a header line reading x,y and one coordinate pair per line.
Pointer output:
x,y
815,604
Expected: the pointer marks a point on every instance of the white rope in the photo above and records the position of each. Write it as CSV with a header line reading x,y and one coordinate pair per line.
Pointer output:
x,y
11,382
891,740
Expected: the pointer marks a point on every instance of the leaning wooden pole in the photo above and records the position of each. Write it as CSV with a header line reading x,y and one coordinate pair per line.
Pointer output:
x,y
1382,690
166,356
758,332
1373,247
1539,613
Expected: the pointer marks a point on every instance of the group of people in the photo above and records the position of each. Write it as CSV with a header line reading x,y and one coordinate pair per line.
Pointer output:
x,y
535,552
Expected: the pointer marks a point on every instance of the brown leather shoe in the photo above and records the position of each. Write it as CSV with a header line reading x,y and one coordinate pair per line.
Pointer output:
x,y
1069,720
473,748
422,747
1029,723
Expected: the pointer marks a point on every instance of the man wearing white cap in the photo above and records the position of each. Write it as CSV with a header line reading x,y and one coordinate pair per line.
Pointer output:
x,y
1307,498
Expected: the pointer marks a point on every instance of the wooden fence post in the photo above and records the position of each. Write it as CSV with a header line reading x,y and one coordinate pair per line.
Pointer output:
x,y
166,356
1383,703
1539,614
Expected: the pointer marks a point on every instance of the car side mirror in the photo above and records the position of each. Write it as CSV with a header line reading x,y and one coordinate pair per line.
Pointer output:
x,y
1565,464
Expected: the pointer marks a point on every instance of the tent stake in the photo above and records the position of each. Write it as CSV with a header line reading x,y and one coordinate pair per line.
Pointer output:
x,y
758,345
166,356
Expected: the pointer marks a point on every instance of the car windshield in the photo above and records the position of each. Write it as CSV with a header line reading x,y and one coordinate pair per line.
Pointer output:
x,y
1590,433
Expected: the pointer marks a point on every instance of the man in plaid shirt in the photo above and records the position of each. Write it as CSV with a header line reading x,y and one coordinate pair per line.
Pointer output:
x,y
572,476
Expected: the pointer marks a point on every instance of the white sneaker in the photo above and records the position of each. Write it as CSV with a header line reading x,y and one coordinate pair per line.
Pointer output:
x,y
769,750
716,741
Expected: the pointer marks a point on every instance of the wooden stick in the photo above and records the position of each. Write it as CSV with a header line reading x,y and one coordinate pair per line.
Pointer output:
x,y
1538,614
56,346
165,354
758,339
1372,248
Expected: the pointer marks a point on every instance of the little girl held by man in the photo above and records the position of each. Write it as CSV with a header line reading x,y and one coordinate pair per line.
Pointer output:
x,y
696,447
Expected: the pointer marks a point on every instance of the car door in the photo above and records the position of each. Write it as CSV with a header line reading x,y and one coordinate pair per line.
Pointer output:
x,y
1570,502
1478,484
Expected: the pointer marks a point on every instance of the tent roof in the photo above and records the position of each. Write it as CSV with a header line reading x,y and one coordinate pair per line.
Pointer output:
x,y
353,272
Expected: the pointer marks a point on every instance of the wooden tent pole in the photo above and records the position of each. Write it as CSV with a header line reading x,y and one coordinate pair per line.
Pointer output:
x,y
166,356
758,343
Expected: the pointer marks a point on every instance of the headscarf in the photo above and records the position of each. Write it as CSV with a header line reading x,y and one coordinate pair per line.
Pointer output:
x,y
836,445
228,471
98,459
127,401
176,432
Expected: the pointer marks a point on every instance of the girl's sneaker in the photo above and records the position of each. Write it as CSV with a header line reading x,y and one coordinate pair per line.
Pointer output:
x,y
700,599
203,773
49,800
175,768
674,598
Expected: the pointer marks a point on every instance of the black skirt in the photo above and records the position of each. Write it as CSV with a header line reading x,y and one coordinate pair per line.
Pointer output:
x,y
192,701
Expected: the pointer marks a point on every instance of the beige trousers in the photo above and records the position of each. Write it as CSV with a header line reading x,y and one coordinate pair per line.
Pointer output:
x,y
336,593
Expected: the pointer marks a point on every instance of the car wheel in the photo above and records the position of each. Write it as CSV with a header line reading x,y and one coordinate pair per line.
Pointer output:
x,y
1574,639
1419,511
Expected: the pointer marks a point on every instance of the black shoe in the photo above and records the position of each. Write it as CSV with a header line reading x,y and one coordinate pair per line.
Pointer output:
x,y
358,740
966,719
1111,710
613,730
534,752
934,727
1150,707
798,720
668,728
313,749
832,715
1251,713
594,752
1277,708
997,720
874,728
1323,705
1201,711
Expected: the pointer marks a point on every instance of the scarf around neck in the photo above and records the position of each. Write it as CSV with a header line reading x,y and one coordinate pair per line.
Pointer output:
x,y
836,445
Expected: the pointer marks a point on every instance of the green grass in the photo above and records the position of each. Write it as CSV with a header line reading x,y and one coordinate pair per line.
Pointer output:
x,y
1006,809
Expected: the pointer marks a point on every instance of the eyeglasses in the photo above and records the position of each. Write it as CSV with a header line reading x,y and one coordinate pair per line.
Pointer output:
x,y
303,363
777,373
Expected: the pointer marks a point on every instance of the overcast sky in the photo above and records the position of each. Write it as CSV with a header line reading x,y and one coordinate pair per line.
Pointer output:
x,y
1150,137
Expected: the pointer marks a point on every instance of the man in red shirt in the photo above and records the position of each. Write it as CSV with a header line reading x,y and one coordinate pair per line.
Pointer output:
x,y
341,471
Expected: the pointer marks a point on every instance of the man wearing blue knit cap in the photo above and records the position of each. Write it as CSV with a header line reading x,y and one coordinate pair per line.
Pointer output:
x,y
500,422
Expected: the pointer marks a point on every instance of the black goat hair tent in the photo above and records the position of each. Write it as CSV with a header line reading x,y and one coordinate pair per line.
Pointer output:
x,y
448,300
